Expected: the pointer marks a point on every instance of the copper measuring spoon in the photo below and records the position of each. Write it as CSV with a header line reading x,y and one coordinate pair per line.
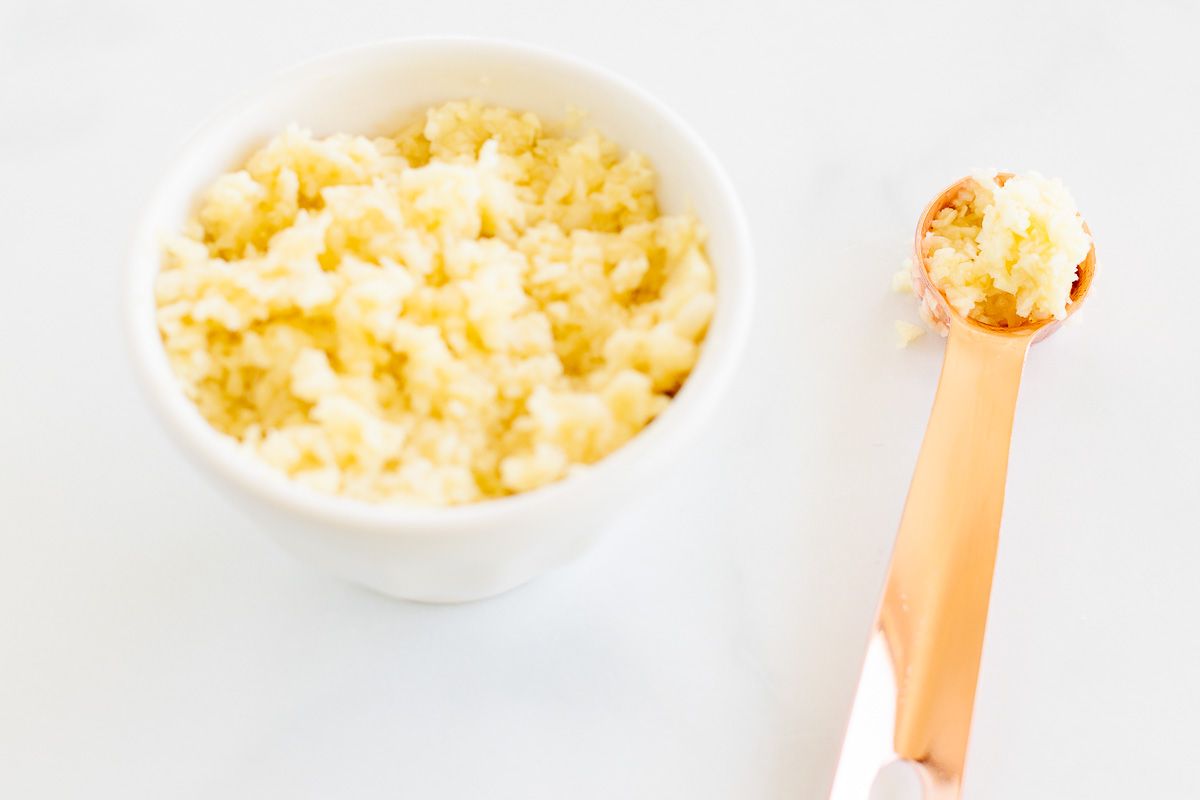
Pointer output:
x,y
907,738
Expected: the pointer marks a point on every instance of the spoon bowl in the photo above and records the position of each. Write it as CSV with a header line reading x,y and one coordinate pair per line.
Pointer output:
x,y
934,302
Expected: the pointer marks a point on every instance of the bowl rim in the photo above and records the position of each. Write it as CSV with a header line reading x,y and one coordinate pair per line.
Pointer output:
x,y
221,455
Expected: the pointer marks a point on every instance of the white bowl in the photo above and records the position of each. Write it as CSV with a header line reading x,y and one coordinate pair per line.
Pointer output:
x,y
474,551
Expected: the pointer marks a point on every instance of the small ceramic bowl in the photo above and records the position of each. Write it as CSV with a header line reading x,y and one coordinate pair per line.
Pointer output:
x,y
473,551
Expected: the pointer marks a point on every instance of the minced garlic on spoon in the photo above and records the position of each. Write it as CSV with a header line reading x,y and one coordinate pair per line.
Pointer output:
x,y
1006,252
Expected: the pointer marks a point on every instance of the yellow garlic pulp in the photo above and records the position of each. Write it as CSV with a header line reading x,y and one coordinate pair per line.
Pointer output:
x,y
471,308
1007,254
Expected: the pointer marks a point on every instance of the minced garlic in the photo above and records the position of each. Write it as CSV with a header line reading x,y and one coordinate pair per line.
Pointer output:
x,y
907,333
902,279
1007,255
470,308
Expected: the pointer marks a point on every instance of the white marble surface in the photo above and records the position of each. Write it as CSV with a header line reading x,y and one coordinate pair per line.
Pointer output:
x,y
153,645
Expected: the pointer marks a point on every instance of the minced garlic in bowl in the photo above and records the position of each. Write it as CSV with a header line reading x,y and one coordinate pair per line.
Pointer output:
x,y
471,308
1006,253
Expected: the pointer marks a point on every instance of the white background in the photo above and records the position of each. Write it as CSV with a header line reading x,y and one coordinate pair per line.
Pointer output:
x,y
154,645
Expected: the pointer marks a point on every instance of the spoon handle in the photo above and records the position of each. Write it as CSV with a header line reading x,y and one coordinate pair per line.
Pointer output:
x,y
929,629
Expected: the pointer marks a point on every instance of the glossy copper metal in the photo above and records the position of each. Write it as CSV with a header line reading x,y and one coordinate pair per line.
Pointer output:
x,y
918,685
